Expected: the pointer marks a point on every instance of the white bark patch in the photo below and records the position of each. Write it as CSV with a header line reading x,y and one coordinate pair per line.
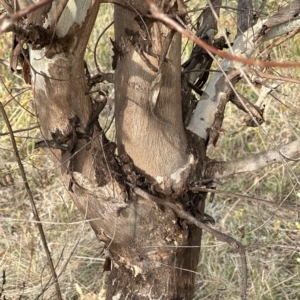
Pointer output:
x,y
204,115
117,297
74,12
149,297
40,67
176,179
176,176
38,63
136,270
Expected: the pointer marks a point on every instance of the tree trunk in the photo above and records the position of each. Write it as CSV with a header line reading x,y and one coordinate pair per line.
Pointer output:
x,y
154,254
159,263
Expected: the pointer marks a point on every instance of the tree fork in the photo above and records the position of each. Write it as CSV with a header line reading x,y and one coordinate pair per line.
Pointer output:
x,y
153,252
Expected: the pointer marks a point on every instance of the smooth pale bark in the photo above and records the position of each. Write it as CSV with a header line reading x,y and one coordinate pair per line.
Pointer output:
x,y
254,162
154,137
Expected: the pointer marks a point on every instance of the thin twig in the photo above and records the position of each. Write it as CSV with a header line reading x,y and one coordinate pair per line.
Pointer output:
x,y
109,125
19,130
217,234
29,9
13,97
271,76
254,62
272,246
96,45
48,285
253,199
33,206
7,23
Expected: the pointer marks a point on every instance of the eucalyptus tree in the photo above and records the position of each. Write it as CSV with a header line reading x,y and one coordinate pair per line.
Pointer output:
x,y
144,193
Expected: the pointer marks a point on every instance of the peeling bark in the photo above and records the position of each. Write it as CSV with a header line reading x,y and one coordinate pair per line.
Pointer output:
x,y
147,243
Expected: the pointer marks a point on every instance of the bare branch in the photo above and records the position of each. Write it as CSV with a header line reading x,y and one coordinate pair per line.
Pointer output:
x,y
29,9
161,16
20,130
280,40
102,76
248,198
6,23
254,162
271,76
208,24
196,68
204,116
255,111
283,16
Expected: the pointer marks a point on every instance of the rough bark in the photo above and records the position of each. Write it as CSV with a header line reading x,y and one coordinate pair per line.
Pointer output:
x,y
147,244
245,18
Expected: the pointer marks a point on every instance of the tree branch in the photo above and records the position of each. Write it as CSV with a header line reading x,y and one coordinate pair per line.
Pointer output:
x,y
280,40
248,198
254,162
235,57
19,130
205,113
271,76
240,102
6,23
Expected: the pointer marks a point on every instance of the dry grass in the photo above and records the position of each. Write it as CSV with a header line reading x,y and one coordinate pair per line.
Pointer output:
x,y
274,266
